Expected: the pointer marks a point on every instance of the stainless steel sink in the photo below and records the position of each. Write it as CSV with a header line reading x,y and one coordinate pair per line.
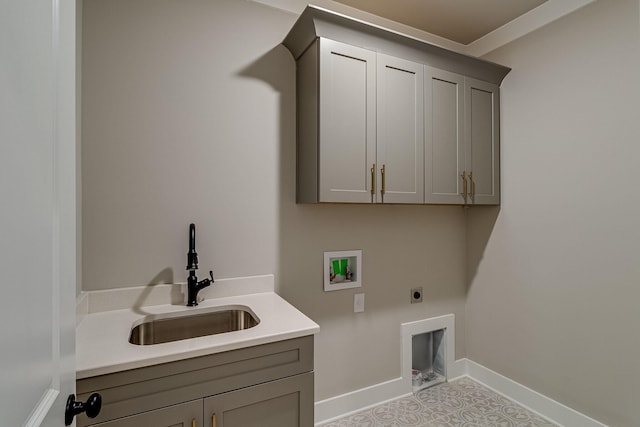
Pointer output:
x,y
174,327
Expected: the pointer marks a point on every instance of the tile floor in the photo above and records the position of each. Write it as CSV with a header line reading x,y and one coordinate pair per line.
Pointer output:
x,y
460,403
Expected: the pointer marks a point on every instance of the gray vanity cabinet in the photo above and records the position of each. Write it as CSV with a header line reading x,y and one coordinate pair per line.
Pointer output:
x,y
264,385
183,415
274,404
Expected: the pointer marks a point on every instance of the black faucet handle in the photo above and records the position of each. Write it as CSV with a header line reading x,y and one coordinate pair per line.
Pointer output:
x,y
205,282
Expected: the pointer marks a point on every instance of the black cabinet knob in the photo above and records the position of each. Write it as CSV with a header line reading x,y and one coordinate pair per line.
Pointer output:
x,y
91,407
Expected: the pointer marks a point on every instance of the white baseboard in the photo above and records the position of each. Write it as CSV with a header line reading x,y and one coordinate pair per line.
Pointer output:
x,y
529,399
358,400
457,369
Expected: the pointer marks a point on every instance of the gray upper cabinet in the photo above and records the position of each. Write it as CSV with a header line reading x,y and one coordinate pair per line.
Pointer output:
x,y
444,139
360,126
462,142
482,146
379,120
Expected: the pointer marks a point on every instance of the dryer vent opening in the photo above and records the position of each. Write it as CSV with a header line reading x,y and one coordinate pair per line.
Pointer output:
x,y
428,352
428,366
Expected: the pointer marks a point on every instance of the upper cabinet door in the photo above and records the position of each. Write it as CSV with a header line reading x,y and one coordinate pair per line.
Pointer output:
x,y
444,137
400,131
482,115
347,123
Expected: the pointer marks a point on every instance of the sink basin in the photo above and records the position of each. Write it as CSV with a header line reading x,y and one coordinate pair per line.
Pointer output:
x,y
157,329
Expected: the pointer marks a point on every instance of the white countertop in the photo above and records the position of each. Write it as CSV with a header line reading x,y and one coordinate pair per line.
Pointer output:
x,y
102,338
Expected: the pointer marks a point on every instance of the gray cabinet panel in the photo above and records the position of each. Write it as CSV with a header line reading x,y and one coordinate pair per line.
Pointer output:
x,y
400,130
444,141
462,140
360,126
307,126
184,415
482,134
283,403
347,122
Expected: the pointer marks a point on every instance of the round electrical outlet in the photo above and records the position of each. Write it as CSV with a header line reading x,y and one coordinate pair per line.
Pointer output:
x,y
416,295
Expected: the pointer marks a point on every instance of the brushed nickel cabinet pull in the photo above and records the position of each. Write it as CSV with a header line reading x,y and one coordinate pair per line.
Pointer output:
x,y
373,179
464,185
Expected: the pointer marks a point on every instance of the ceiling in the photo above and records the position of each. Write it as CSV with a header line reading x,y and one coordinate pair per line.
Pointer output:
x,y
463,21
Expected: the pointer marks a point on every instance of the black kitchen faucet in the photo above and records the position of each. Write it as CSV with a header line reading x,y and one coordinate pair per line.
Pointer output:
x,y
193,286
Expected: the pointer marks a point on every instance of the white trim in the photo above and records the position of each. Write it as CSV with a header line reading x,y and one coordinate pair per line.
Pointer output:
x,y
524,24
530,399
42,408
358,400
57,206
82,307
294,7
457,370
408,330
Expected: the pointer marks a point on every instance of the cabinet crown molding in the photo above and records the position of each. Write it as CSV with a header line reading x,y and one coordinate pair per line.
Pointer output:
x,y
315,22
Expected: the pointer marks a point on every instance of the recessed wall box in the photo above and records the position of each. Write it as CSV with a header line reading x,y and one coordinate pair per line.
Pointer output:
x,y
342,270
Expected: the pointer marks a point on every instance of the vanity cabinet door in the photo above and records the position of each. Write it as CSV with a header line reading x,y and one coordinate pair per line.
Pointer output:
x,y
444,137
283,403
187,414
482,115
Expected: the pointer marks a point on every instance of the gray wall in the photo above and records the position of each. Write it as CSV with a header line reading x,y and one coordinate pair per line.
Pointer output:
x,y
555,274
189,116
